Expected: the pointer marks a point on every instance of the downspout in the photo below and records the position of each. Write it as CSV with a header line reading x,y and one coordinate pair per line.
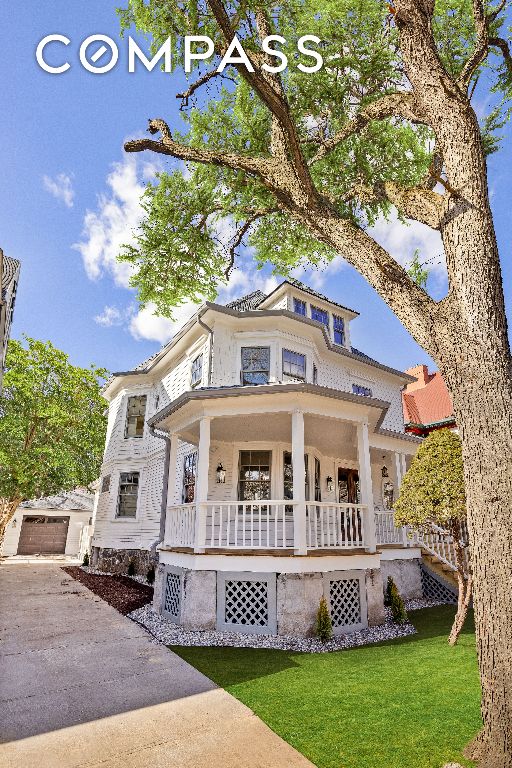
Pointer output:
x,y
210,353
165,484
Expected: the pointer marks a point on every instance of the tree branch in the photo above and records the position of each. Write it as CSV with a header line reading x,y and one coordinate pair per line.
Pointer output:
x,y
240,234
167,146
499,42
402,104
481,46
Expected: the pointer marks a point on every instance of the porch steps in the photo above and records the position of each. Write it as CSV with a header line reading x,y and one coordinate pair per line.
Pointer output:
x,y
438,579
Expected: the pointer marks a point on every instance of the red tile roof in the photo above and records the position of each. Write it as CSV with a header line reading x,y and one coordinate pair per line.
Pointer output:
x,y
428,404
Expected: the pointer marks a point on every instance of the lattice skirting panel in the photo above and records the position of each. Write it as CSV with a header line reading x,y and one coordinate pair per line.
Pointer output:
x,y
173,593
346,594
435,589
246,602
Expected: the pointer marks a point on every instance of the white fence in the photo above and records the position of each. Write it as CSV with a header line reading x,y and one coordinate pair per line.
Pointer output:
x,y
439,542
334,526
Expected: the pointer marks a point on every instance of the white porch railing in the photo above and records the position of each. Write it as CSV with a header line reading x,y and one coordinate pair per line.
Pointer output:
x,y
334,526
250,525
180,526
439,542
387,532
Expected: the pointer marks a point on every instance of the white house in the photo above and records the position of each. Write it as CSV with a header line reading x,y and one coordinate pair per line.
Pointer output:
x,y
257,455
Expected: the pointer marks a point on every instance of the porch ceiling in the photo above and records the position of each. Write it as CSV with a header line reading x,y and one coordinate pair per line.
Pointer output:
x,y
331,437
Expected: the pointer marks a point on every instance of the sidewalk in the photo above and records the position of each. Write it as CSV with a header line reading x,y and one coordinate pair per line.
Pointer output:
x,y
81,685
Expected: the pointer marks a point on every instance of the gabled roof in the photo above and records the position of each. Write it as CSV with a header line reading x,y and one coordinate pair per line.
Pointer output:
x,y
80,499
250,301
311,291
430,404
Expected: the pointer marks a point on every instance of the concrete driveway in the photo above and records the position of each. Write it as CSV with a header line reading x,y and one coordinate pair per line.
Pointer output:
x,y
81,685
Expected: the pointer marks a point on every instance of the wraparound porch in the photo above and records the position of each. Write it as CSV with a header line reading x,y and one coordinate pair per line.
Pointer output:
x,y
292,473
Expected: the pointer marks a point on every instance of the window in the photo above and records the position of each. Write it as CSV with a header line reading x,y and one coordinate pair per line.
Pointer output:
x,y
357,389
189,478
157,402
320,315
135,413
294,365
255,365
254,475
127,497
105,484
299,307
318,488
339,330
196,373
288,477
315,374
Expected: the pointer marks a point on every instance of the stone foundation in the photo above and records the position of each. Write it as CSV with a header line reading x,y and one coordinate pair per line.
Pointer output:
x,y
118,560
297,598
406,574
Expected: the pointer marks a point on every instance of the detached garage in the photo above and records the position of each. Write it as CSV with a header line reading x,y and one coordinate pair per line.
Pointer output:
x,y
50,526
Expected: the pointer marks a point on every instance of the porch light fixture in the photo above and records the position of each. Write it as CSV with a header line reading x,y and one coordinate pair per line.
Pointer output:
x,y
384,471
221,474
14,523
329,483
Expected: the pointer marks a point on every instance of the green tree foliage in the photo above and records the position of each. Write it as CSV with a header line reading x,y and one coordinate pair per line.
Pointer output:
x,y
387,592
323,621
85,561
398,612
417,271
179,254
432,491
52,425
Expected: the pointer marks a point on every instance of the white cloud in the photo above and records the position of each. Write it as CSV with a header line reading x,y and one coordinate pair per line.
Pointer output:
x,y
401,240
61,187
112,225
111,316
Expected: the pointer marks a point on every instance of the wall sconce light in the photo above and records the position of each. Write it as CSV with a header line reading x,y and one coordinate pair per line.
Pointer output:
x,y
329,483
221,474
384,471
14,523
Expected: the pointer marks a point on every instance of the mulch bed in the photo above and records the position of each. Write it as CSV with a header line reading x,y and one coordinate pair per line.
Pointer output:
x,y
123,593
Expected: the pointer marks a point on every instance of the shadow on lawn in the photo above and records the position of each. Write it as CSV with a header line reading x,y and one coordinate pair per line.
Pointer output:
x,y
232,666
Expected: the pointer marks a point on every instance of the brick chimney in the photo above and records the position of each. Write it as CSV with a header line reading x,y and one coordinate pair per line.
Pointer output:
x,y
422,375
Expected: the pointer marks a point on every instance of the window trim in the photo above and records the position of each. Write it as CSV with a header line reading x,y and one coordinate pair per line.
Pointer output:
x,y
128,518
268,371
364,390
198,381
304,305
290,375
126,416
335,330
270,452
314,307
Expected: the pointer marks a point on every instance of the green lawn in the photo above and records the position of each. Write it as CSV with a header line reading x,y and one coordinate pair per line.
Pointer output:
x,y
410,703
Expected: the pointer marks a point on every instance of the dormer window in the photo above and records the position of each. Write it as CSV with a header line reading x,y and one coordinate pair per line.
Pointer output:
x,y
196,372
299,307
339,330
294,366
255,365
320,315
135,415
358,389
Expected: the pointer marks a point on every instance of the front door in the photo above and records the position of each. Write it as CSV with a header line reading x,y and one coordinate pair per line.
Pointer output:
x,y
348,486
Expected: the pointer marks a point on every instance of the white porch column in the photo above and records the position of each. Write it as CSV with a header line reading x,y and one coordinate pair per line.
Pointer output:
x,y
299,485
170,480
398,470
203,466
365,484
404,464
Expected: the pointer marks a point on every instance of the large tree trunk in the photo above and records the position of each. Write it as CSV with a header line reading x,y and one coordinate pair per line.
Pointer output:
x,y
8,508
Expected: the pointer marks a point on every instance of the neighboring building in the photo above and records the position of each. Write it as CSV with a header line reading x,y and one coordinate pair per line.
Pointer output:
x,y
10,272
56,525
274,449
427,403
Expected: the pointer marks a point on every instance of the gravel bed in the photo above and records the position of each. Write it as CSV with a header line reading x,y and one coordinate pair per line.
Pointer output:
x,y
98,572
168,633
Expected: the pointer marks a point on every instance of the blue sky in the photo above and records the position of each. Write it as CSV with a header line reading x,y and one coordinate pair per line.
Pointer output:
x,y
69,197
